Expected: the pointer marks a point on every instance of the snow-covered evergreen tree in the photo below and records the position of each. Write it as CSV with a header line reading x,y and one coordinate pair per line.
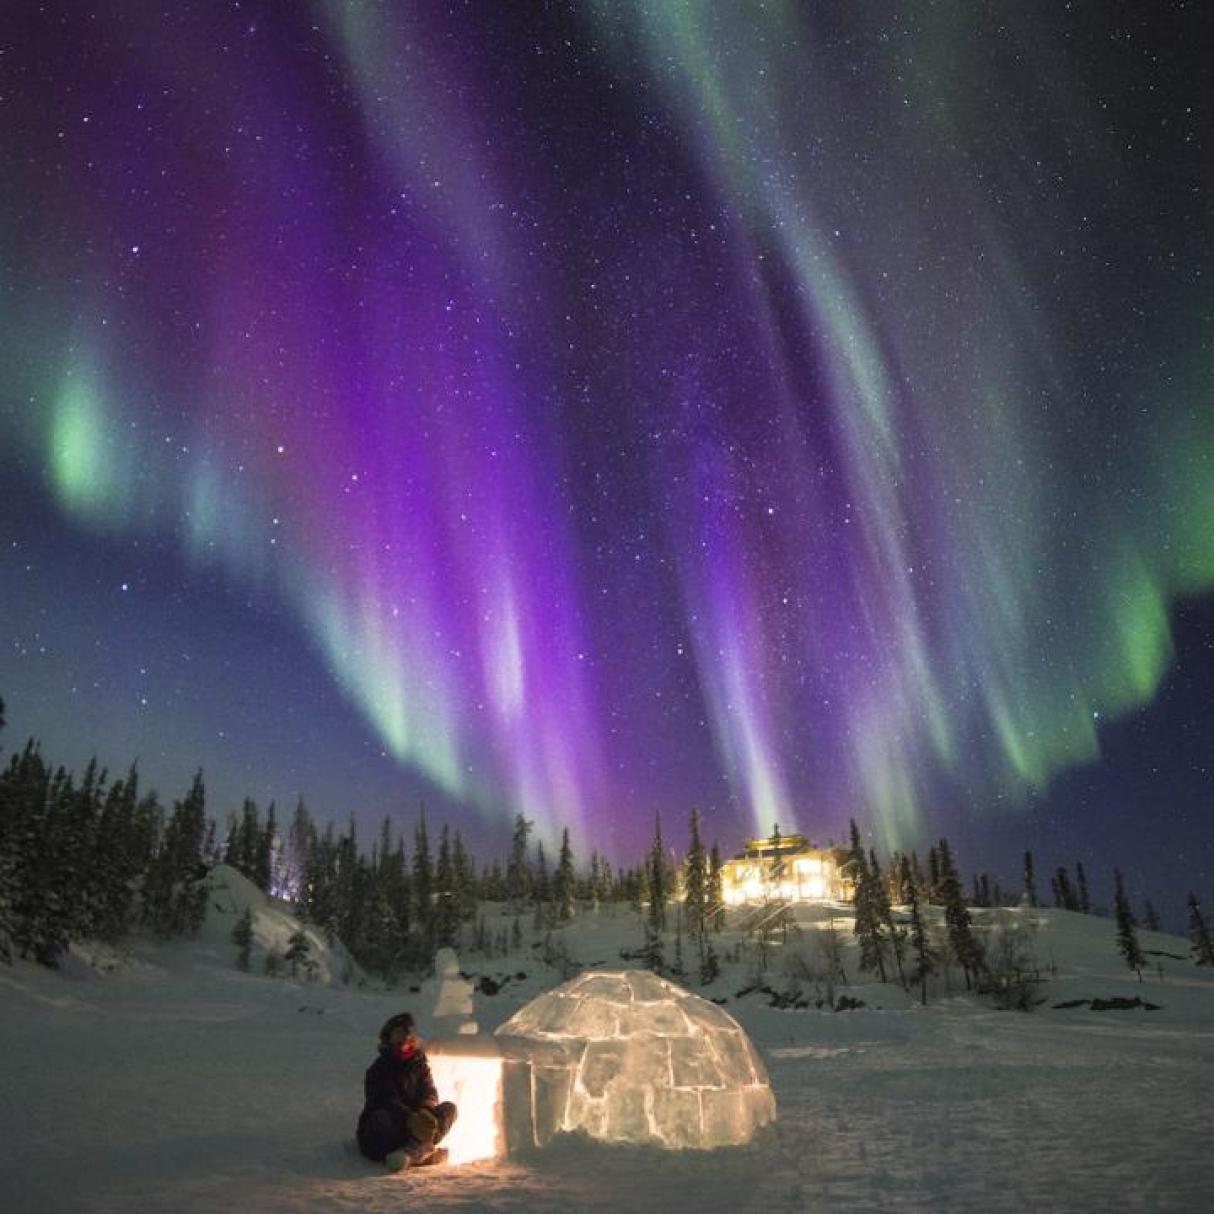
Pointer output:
x,y
446,914
657,877
1199,933
885,914
1081,882
242,937
175,891
298,952
518,868
716,889
423,888
921,950
963,942
868,928
1127,936
463,874
1030,881
265,848
563,879
301,837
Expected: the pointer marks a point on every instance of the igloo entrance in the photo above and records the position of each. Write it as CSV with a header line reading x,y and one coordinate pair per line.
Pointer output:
x,y
630,1057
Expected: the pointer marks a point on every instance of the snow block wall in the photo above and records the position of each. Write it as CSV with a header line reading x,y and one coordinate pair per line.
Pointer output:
x,y
630,1057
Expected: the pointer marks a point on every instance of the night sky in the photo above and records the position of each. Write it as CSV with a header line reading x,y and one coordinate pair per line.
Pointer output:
x,y
799,410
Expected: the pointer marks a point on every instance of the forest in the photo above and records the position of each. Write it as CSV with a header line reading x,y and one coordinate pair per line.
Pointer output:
x,y
88,857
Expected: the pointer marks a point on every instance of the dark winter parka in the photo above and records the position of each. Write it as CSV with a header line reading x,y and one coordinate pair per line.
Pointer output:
x,y
399,1085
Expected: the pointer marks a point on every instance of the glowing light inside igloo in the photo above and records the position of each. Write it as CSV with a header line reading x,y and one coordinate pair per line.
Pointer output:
x,y
468,1071
630,1057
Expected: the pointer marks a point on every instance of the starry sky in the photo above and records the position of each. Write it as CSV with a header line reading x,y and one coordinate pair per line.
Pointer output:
x,y
798,410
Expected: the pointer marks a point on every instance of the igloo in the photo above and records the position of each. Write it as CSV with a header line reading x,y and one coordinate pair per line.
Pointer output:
x,y
629,1057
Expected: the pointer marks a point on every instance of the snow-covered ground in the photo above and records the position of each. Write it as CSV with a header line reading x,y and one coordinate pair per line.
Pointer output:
x,y
177,1082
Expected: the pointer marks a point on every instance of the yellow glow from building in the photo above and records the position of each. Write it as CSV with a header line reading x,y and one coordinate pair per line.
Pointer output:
x,y
761,875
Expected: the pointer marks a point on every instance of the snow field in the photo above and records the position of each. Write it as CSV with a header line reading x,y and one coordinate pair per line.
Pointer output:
x,y
177,1082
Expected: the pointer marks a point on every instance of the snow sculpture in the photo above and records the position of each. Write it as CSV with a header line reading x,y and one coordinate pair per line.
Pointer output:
x,y
453,1007
630,1057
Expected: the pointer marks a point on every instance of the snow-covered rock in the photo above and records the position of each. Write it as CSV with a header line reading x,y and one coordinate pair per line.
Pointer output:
x,y
230,893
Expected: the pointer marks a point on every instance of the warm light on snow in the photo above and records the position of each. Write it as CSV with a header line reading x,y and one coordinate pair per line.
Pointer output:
x,y
473,1080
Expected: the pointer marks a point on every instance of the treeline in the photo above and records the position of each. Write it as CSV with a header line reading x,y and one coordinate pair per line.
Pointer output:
x,y
394,905
91,859
95,858
907,945
994,959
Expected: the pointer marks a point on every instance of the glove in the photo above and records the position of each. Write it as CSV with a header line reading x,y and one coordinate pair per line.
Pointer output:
x,y
423,1126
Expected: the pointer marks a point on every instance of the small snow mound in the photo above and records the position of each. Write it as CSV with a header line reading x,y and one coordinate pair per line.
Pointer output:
x,y
628,1057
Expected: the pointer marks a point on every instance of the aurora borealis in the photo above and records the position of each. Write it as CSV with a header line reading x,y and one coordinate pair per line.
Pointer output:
x,y
803,410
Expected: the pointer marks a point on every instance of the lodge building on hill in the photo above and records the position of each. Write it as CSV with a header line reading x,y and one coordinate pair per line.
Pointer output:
x,y
787,868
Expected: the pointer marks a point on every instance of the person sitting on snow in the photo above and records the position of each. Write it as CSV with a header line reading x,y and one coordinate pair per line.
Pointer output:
x,y
402,1120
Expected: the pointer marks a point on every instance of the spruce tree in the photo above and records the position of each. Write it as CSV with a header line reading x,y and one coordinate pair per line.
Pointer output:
x,y
1127,937
446,922
8,907
1199,933
1081,881
655,887
464,877
921,950
212,853
248,835
175,888
695,898
242,937
264,849
906,881
1150,916
716,888
884,913
28,821
868,927
1065,893
423,888
595,890
518,867
231,852
1030,882
118,857
964,943
659,889
541,893
563,881
301,837
297,953
348,887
